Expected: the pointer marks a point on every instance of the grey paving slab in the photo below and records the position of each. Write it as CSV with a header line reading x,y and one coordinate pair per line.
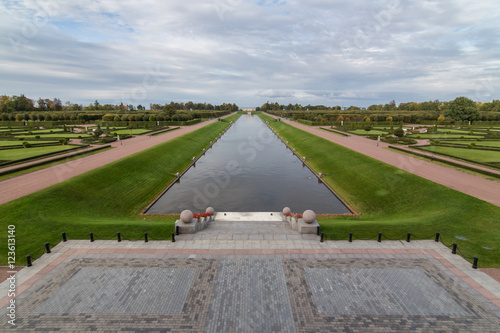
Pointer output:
x,y
122,290
379,291
250,296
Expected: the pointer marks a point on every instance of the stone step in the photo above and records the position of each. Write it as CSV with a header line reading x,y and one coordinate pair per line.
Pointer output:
x,y
249,228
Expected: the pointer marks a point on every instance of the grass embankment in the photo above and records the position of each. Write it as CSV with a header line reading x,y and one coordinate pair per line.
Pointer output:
x,y
106,200
396,202
22,153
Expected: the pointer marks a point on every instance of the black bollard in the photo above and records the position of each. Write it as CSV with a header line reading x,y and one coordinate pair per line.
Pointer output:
x,y
64,237
145,237
47,247
322,237
379,237
454,250
28,259
173,237
91,236
474,265
119,236
408,237
350,237
437,237
177,230
317,230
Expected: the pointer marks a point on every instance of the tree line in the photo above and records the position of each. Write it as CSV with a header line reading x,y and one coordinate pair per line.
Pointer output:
x,y
431,106
21,103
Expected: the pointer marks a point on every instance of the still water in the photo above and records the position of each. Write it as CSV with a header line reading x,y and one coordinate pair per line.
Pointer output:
x,y
248,170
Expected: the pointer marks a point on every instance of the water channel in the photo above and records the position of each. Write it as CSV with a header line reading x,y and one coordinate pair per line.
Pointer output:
x,y
248,170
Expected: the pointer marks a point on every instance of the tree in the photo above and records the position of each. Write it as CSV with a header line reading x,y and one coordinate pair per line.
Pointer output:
x,y
399,132
441,118
462,108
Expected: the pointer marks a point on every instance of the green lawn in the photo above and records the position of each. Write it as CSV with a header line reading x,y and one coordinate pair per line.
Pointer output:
x,y
54,135
20,143
444,136
469,154
396,202
372,132
17,154
478,143
134,131
105,200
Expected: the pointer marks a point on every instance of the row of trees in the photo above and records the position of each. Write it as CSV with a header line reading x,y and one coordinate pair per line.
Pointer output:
x,y
460,109
430,106
22,103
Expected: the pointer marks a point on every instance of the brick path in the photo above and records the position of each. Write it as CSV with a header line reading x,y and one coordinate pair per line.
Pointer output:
x,y
484,189
288,284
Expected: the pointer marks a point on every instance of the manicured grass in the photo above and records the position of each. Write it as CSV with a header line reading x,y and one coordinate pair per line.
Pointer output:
x,y
372,132
469,154
20,153
20,143
54,135
133,131
396,202
105,200
444,136
478,143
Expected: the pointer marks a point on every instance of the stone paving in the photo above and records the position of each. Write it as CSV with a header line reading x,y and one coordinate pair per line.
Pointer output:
x,y
273,285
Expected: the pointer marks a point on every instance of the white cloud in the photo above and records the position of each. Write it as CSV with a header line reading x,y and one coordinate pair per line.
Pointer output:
x,y
319,52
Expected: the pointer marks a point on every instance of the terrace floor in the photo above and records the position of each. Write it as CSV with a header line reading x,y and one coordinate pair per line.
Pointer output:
x,y
266,278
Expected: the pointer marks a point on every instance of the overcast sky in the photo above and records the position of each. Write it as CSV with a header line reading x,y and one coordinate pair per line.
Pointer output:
x,y
250,51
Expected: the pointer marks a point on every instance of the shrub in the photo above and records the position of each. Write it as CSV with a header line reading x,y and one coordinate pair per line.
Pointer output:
x,y
26,144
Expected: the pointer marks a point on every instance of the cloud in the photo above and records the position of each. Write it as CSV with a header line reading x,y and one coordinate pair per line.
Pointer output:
x,y
319,52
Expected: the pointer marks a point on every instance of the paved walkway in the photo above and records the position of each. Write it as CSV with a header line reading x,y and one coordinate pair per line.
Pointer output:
x,y
475,186
205,283
17,187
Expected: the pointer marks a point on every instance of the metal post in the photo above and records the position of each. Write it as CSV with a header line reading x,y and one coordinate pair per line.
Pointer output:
x,y
317,230
379,237
350,237
177,230
28,259
119,236
145,237
437,237
475,262
454,250
64,237
408,237
91,236
173,237
47,247
322,237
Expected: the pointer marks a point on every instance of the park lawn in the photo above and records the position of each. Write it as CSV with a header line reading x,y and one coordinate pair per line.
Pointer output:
x,y
445,136
20,143
55,135
396,202
372,132
105,200
469,154
45,131
130,131
478,143
20,153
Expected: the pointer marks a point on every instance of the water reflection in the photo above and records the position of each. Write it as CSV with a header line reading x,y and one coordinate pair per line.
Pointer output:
x,y
249,170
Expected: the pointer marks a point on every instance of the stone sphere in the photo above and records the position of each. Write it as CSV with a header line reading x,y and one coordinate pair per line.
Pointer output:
x,y
210,210
186,216
287,210
309,216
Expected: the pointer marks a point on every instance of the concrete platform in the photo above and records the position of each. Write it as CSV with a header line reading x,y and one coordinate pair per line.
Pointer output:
x,y
270,284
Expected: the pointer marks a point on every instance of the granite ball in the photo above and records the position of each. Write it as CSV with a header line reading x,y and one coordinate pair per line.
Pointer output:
x,y
186,216
309,216
287,210
210,210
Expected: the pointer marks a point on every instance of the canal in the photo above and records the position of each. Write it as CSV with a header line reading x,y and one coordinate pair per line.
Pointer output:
x,y
248,170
